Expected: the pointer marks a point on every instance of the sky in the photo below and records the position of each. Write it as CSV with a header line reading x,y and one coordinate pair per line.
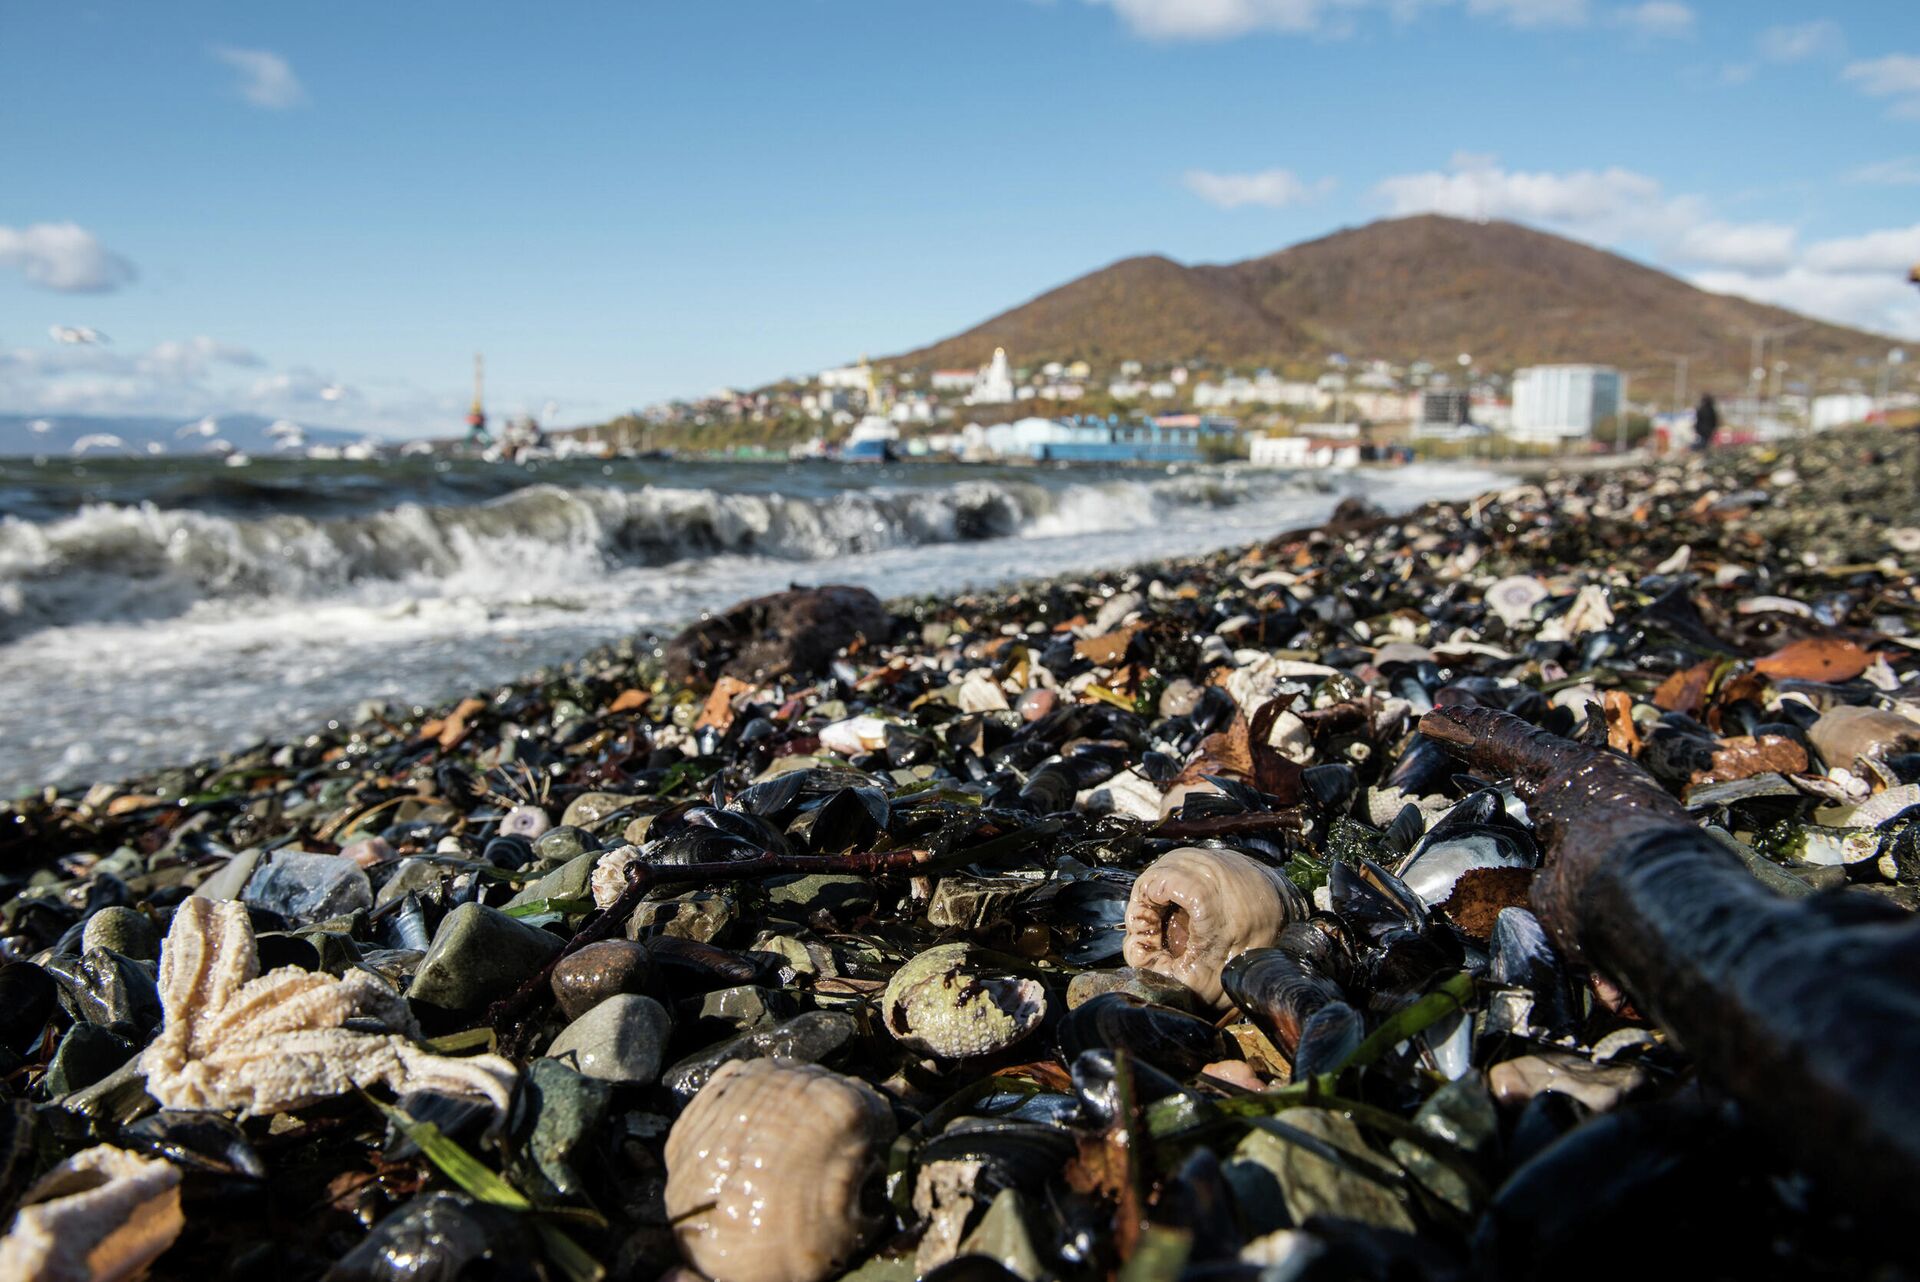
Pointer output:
x,y
323,211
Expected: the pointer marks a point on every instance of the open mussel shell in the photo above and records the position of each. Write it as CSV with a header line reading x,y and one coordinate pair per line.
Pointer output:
x,y
1173,1041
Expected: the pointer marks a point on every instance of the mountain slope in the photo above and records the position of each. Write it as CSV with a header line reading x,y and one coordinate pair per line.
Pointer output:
x,y
1406,289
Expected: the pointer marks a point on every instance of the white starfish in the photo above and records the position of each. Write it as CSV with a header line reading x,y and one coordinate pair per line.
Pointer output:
x,y
234,1039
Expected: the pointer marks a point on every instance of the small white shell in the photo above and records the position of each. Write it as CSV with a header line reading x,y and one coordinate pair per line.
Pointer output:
x,y
1194,910
767,1167
102,1215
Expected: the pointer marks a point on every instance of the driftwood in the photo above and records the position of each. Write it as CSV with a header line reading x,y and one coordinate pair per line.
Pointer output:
x,y
1806,1010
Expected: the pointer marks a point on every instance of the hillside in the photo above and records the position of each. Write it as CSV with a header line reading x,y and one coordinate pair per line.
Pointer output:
x,y
1406,289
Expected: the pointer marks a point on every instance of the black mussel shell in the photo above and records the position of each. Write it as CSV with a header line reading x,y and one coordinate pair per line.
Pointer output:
x,y
27,998
1171,1040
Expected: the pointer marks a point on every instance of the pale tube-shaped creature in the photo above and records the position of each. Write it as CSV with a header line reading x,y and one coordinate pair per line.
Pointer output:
x,y
1194,910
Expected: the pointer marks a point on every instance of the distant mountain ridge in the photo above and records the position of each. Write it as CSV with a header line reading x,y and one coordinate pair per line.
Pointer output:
x,y
1422,288
20,435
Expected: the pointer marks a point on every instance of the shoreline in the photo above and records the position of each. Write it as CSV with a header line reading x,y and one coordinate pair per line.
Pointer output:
x,y
558,917
262,628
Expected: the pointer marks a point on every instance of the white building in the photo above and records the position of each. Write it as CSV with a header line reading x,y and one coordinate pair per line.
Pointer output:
x,y
1840,409
851,377
1262,389
1301,451
995,384
955,380
1558,402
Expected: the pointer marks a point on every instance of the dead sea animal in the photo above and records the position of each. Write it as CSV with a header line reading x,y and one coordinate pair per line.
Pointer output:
x,y
234,1039
769,1168
101,1215
1194,910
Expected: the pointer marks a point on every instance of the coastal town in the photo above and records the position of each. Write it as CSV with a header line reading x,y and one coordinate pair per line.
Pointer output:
x,y
1348,412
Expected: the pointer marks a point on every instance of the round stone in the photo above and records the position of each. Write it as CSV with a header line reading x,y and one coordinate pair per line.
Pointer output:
x,y
126,931
623,1039
584,979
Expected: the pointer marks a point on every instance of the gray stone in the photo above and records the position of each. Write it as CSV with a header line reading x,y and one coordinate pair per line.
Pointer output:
x,y
557,845
571,880
589,808
304,888
1005,1235
621,1040
1089,984
412,877
1353,1183
745,1008
814,1037
1115,612
126,931
699,915
838,894
479,955
565,1107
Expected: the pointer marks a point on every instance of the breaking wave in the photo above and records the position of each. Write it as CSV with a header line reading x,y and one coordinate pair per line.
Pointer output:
x,y
113,562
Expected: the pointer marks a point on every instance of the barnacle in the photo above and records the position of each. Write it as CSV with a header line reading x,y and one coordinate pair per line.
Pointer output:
x,y
942,1003
101,1215
1193,910
768,1168
258,1044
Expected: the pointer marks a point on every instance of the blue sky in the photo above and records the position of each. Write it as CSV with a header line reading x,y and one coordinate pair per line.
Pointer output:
x,y
323,210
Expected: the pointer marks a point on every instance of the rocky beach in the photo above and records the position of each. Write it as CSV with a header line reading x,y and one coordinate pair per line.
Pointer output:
x,y
1522,886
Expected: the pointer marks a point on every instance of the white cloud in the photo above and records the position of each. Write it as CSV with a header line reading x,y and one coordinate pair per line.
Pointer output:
x,y
265,79
1894,250
1901,172
1270,188
1532,13
64,257
1656,18
1759,246
1896,76
1221,19
1881,301
1797,42
1854,280
1606,206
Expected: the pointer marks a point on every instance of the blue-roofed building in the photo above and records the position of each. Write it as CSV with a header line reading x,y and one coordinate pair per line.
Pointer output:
x,y
1165,438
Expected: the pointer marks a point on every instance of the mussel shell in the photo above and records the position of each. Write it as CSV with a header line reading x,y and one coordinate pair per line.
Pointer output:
x,y
1096,1082
1332,1034
104,988
1369,897
846,819
434,1238
1331,785
1196,1197
1278,993
687,966
1012,1153
27,998
198,1141
1171,1040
